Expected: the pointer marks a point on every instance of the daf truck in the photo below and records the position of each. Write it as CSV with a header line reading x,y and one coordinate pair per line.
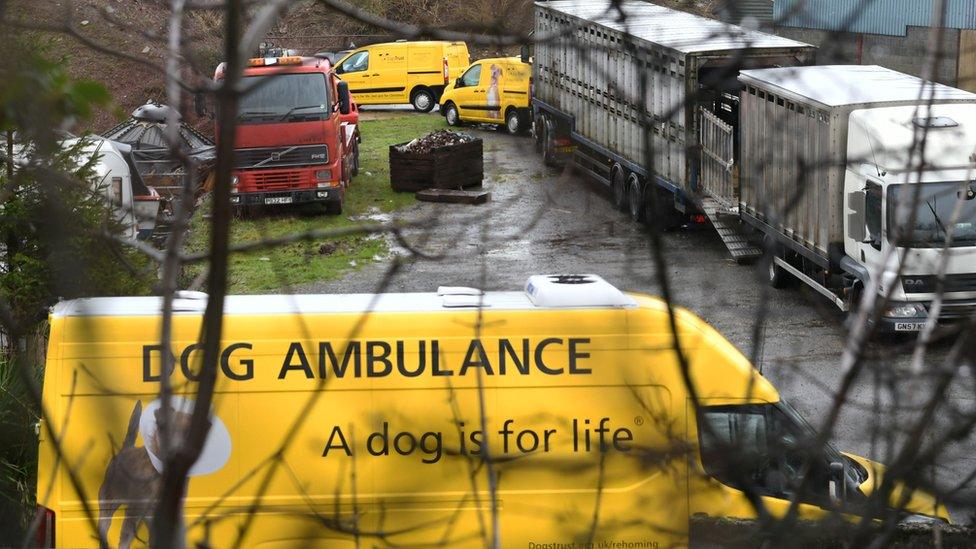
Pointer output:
x,y
871,175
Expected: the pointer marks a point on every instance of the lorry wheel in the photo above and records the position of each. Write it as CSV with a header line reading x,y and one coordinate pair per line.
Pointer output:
x,y
422,99
662,212
513,122
538,132
451,115
549,145
333,208
635,197
618,187
776,275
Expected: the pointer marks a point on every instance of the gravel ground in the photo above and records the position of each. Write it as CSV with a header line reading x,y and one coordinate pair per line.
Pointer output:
x,y
541,220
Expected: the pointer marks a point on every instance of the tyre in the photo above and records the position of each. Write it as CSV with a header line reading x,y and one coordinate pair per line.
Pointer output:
x,y
355,160
538,132
777,276
451,115
635,197
513,122
422,99
549,144
333,208
662,213
618,187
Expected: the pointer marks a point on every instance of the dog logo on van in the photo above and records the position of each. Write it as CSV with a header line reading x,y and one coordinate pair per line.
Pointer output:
x,y
134,475
493,97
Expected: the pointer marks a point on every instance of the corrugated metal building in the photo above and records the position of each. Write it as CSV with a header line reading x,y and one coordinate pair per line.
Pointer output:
x,y
747,12
892,33
890,17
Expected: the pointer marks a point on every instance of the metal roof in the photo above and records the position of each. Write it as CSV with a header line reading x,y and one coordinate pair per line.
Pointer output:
x,y
678,30
891,17
845,85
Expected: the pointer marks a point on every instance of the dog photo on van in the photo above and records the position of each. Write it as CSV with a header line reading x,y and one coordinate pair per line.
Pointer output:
x,y
134,475
494,97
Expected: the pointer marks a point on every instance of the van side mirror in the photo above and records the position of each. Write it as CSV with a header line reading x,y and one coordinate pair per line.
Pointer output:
x,y
525,53
855,216
838,482
457,82
344,99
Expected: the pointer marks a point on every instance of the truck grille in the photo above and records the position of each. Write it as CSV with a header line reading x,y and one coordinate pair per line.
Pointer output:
x,y
957,310
928,284
272,157
270,181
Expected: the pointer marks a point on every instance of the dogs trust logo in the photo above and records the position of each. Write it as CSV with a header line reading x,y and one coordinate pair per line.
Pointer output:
x,y
134,475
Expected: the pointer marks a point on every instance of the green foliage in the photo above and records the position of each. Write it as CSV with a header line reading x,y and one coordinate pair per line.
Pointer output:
x,y
53,245
18,453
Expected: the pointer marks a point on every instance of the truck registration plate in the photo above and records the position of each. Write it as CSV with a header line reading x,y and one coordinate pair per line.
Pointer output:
x,y
278,200
909,326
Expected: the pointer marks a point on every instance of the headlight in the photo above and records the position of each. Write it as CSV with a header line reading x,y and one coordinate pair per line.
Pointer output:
x,y
905,310
234,180
921,519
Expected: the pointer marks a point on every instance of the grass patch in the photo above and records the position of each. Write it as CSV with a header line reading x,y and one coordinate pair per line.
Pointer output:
x,y
305,262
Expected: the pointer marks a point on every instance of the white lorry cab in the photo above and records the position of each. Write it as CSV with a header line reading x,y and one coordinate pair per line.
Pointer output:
x,y
872,176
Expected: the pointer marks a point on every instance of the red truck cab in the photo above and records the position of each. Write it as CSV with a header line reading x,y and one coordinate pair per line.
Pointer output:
x,y
297,138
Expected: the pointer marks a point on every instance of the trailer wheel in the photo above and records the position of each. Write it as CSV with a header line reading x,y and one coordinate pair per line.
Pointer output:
x,y
549,144
618,187
776,275
662,212
355,159
538,132
422,99
635,197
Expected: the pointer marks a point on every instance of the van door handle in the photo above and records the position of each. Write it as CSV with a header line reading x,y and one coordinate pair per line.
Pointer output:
x,y
375,74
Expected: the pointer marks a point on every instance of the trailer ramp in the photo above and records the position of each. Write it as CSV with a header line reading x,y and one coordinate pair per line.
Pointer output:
x,y
730,230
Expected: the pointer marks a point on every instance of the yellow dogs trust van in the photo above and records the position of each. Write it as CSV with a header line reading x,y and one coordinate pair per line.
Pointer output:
x,y
403,72
494,91
553,415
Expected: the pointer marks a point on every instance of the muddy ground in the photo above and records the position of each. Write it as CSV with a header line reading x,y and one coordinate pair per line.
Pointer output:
x,y
541,220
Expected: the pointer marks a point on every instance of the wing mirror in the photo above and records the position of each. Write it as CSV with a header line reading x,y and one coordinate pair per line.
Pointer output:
x,y
838,482
457,82
344,98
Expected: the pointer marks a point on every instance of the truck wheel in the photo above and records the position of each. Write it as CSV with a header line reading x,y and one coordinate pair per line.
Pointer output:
x,y
333,208
635,197
451,115
538,132
422,99
618,187
513,122
549,145
776,275
355,160
662,212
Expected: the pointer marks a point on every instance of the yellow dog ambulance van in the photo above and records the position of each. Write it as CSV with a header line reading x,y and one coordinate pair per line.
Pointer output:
x,y
493,91
554,415
403,72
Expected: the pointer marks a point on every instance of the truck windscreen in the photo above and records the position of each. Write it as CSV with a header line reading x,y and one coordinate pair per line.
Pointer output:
x,y
284,98
931,215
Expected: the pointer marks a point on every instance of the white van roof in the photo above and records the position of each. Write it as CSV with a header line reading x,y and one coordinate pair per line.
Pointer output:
x,y
541,292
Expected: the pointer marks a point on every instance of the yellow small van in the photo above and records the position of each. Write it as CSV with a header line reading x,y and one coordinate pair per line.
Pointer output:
x,y
546,417
493,91
403,72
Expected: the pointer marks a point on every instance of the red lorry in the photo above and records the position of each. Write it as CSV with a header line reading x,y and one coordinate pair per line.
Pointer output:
x,y
297,139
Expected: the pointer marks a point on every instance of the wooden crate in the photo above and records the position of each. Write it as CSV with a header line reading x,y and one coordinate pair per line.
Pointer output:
x,y
452,167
